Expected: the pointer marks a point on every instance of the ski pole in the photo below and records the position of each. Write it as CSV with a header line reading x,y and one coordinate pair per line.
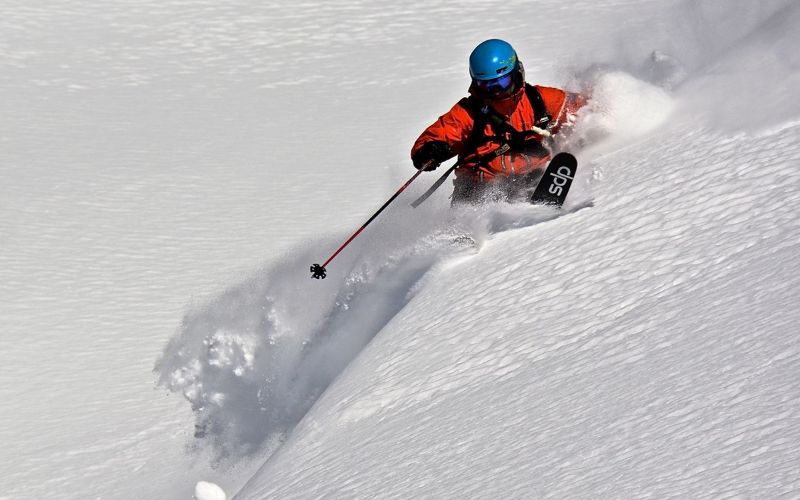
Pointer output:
x,y
502,149
319,271
427,194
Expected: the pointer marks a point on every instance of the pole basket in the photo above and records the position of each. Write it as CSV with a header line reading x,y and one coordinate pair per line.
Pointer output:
x,y
318,272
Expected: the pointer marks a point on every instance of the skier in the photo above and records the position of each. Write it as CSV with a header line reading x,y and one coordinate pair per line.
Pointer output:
x,y
501,132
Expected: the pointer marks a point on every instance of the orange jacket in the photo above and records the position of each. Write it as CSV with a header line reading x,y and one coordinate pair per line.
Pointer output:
x,y
455,127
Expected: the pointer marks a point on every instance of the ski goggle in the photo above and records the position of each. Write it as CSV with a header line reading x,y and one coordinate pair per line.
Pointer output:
x,y
496,85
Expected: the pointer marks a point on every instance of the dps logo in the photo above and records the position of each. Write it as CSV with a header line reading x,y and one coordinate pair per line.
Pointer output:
x,y
561,178
556,181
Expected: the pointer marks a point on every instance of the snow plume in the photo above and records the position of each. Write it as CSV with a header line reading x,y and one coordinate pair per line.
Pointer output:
x,y
731,65
727,65
621,108
253,360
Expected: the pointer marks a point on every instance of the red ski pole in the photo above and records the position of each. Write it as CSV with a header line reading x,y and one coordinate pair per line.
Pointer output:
x,y
318,271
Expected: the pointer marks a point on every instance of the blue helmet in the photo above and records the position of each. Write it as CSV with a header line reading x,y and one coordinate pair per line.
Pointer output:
x,y
492,59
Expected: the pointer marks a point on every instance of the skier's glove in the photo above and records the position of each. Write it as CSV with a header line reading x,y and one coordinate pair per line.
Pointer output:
x,y
431,155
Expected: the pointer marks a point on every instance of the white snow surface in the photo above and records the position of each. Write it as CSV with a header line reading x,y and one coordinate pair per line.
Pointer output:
x,y
208,491
171,169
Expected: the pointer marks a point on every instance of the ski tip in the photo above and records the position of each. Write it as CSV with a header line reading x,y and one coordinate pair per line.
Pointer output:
x,y
564,157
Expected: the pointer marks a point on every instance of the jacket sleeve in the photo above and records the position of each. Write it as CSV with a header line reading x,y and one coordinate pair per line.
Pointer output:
x,y
453,127
561,105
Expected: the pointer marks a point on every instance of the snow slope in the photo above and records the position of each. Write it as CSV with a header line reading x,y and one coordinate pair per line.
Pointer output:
x,y
160,154
646,346
610,352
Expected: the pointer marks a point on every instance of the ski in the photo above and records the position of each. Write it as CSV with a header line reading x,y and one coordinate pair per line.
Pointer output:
x,y
556,181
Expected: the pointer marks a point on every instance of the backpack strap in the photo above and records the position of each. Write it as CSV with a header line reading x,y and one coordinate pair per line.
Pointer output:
x,y
480,117
542,118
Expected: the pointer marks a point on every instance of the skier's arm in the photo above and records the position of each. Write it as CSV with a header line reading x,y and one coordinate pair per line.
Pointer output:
x,y
573,102
443,139
562,106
